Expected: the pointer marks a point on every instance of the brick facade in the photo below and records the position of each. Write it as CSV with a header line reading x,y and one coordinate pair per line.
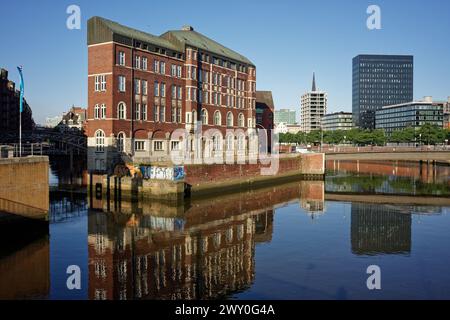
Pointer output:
x,y
199,73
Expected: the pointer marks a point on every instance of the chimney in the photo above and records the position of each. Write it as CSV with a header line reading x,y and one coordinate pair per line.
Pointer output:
x,y
187,28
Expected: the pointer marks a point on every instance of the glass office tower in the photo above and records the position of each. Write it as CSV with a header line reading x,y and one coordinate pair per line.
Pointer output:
x,y
380,80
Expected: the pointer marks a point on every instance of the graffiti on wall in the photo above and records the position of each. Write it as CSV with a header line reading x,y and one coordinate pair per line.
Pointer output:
x,y
162,173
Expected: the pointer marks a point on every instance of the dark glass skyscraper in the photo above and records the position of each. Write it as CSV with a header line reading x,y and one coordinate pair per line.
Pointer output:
x,y
380,80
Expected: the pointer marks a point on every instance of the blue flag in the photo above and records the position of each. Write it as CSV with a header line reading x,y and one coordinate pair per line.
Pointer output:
x,y
22,87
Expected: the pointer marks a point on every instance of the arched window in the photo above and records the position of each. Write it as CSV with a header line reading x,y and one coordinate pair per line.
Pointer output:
x,y
100,140
121,142
217,118
204,116
241,120
230,142
241,142
122,111
194,116
217,142
229,119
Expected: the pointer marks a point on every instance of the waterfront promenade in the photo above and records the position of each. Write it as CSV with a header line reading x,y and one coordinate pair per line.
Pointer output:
x,y
424,153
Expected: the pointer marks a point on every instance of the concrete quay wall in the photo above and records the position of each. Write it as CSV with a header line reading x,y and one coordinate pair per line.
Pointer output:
x,y
209,179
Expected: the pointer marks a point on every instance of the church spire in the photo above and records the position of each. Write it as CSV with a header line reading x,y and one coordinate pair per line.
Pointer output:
x,y
314,82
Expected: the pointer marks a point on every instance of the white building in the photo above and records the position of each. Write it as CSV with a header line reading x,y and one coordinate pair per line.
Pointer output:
x,y
281,128
313,108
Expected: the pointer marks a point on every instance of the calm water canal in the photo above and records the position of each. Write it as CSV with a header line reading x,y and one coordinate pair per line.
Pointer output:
x,y
299,240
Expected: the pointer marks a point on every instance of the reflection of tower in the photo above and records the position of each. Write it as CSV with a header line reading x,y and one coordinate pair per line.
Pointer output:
x,y
312,197
380,229
264,226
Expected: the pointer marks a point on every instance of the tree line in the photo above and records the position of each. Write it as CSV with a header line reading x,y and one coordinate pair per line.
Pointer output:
x,y
427,134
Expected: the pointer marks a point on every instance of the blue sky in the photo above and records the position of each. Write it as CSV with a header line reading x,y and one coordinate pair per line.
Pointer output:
x,y
287,40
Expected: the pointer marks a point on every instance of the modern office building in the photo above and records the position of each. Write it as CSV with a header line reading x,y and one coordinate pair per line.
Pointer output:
x,y
380,80
447,114
10,107
286,116
313,108
142,87
412,114
337,121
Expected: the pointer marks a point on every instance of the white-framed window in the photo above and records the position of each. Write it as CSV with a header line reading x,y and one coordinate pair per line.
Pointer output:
x,y
121,58
174,92
144,112
138,111
204,116
144,63
230,142
137,86
163,89
156,66
158,146
97,111
180,93
217,118
137,62
156,89
162,67
229,119
241,120
174,145
121,142
162,114
174,114
100,141
179,115
173,70
217,142
103,111
122,83
121,111
241,142
179,72
97,83
144,87
100,83
139,145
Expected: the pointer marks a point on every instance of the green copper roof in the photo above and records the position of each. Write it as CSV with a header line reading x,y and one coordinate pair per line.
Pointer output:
x,y
197,40
102,30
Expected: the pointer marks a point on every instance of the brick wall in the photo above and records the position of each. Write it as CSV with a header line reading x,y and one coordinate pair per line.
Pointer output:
x,y
223,174
24,182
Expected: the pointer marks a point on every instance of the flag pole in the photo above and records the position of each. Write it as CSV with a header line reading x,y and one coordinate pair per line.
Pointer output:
x,y
21,109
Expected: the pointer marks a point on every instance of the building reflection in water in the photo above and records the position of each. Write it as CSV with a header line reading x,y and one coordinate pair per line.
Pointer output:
x,y
204,250
380,229
24,260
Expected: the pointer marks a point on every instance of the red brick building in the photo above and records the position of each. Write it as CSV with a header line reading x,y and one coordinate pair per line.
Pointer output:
x,y
264,114
143,87
10,107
